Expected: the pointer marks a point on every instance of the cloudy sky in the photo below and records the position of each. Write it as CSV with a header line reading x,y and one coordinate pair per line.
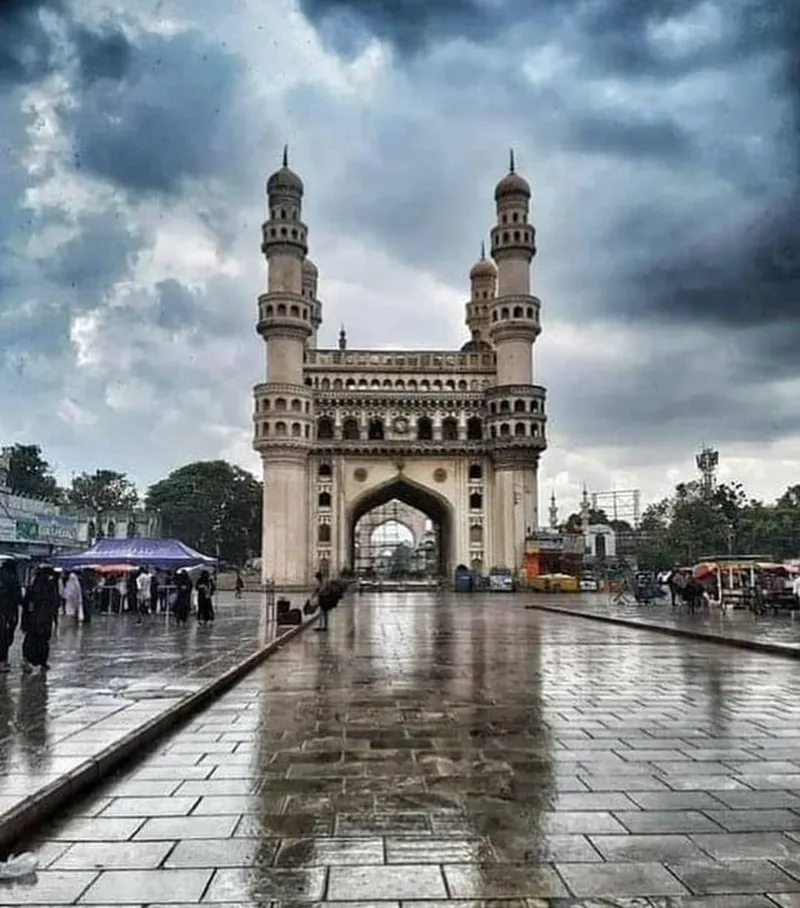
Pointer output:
x,y
660,138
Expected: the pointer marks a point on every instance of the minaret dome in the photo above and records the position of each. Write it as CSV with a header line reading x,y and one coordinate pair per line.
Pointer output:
x,y
285,181
512,183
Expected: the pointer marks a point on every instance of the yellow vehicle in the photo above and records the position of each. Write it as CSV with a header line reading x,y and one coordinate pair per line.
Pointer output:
x,y
555,583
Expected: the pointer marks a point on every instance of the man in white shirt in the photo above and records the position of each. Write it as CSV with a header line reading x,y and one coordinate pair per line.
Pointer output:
x,y
143,593
796,591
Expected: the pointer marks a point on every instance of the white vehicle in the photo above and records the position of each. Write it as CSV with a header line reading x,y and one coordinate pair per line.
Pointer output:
x,y
589,585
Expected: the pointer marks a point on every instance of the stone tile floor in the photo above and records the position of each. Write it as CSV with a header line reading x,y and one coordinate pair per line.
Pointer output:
x,y
444,752
107,679
743,625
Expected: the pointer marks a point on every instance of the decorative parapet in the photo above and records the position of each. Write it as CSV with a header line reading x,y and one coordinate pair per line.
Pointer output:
x,y
436,361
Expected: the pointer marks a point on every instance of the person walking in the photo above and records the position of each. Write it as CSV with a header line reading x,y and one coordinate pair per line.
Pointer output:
x,y
10,604
73,597
39,612
328,596
205,601
142,594
239,585
183,596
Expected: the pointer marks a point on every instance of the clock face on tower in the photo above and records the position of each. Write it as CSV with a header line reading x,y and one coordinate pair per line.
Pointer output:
x,y
400,425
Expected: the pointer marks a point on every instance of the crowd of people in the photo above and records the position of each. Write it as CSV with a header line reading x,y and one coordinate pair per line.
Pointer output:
x,y
75,595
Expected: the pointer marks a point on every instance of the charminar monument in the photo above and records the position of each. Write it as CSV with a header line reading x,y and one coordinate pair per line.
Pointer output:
x,y
456,434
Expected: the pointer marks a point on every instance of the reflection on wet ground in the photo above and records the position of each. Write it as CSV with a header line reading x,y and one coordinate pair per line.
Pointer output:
x,y
782,629
107,679
442,751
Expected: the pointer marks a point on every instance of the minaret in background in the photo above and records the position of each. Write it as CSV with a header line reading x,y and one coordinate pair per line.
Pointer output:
x,y
516,405
553,511
288,316
483,282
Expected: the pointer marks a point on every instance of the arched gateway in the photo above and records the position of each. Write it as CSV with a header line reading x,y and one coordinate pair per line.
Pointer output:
x,y
455,434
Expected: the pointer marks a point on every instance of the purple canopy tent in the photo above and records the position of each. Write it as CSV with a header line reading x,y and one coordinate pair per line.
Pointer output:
x,y
157,553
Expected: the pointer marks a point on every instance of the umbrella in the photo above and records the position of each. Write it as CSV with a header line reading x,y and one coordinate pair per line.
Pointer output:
x,y
703,570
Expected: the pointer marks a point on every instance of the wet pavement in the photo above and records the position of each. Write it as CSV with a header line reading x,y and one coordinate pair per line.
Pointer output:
x,y
107,679
741,626
458,752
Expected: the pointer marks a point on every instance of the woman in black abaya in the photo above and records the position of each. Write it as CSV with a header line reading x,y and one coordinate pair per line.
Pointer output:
x,y
205,603
10,602
39,611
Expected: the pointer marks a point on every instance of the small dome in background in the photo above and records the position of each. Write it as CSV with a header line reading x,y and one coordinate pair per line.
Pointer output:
x,y
483,267
476,346
309,268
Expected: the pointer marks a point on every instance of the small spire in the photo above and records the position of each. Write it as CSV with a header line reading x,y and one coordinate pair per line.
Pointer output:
x,y
342,338
511,163
285,155
483,250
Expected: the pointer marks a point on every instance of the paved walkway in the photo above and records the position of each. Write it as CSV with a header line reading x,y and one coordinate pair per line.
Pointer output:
x,y
446,752
108,679
740,626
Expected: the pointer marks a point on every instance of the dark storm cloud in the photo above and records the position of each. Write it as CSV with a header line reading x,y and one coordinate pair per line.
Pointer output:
x,y
26,46
176,305
408,25
719,263
658,138
103,54
97,256
35,36
165,120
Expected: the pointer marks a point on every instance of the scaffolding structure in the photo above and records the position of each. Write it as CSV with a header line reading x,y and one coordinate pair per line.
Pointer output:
x,y
619,505
395,539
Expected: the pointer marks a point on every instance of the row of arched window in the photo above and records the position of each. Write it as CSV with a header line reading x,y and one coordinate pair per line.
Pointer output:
x,y
110,530
351,429
337,384
325,471
281,429
285,232
504,406
282,311
295,405
516,217
283,213
520,430
520,236
516,312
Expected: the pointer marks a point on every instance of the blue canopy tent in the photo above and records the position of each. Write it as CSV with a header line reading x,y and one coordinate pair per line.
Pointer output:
x,y
157,553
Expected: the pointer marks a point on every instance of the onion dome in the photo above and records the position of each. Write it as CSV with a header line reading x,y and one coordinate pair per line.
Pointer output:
x,y
476,346
483,267
512,183
285,180
309,268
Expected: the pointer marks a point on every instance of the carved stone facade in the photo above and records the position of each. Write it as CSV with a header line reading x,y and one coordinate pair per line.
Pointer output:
x,y
456,434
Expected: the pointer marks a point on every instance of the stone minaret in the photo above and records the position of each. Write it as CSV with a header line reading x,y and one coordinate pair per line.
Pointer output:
x,y
310,277
483,282
553,511
284,406
516,405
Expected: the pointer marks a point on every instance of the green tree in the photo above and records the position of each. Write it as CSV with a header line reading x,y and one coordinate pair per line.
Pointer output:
x,y
212,506
102,491
596,516
30,474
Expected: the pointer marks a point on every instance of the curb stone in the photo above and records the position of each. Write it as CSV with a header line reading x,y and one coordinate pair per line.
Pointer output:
x,y
30,813
788,650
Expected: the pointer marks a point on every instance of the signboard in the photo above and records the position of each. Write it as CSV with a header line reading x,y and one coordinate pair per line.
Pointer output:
x,y
47,529
565,543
